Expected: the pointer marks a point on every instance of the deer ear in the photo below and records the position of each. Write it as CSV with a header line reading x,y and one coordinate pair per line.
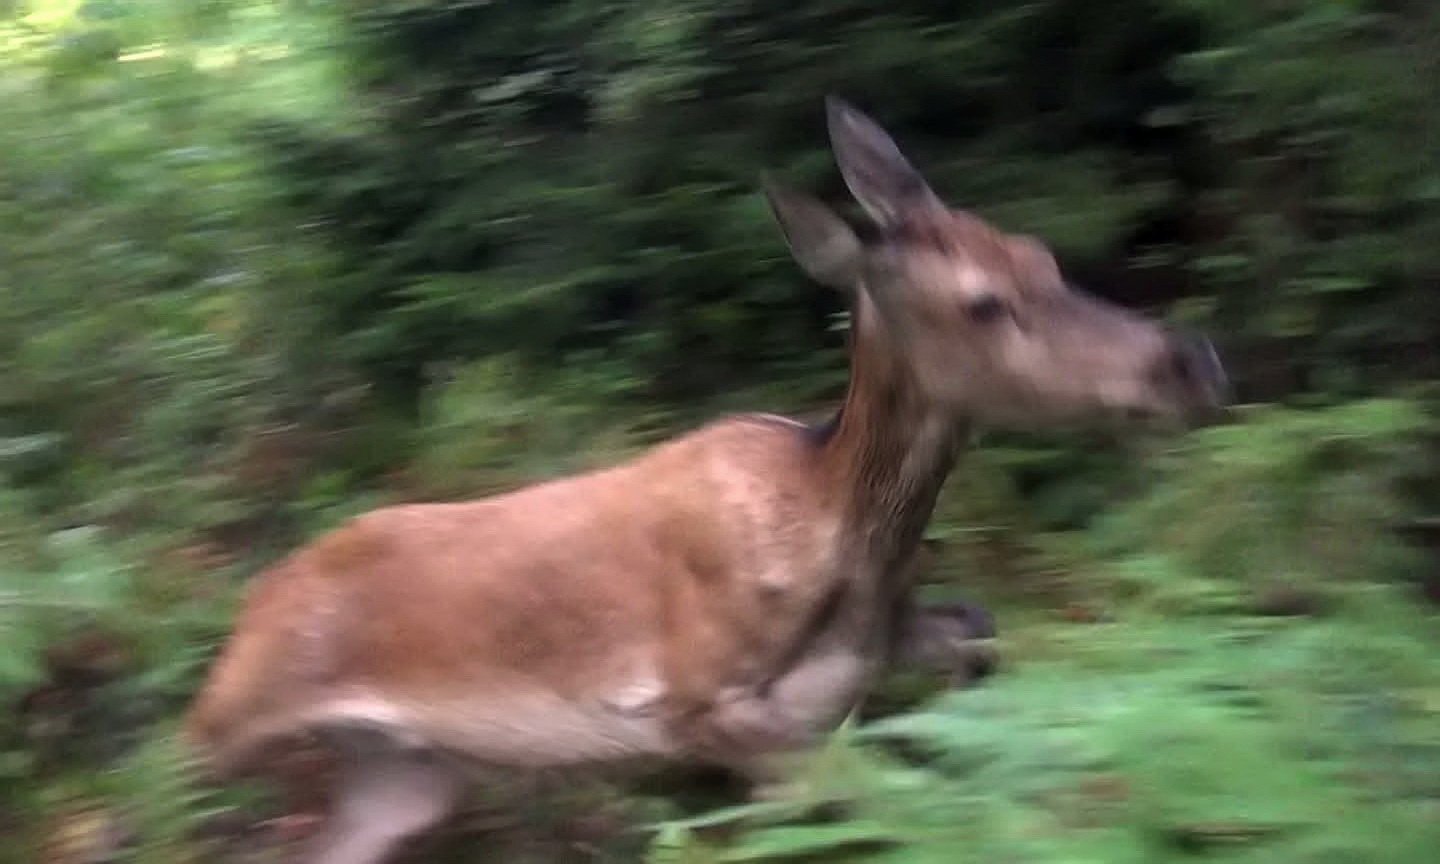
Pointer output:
x,y
820,241
878,174
1035,260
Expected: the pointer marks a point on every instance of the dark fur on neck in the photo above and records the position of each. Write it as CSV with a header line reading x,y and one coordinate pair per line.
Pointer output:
x,y
891,448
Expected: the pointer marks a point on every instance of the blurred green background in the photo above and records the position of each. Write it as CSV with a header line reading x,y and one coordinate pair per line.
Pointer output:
x,y
267,264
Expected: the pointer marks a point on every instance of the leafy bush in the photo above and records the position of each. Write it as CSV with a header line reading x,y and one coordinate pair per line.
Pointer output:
x,y
89,665
1289,498
87,586
264,264
156,334
494,424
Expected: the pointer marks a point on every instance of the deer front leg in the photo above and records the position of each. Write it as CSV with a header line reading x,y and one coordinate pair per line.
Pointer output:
x,y
953,640
789,714
758,733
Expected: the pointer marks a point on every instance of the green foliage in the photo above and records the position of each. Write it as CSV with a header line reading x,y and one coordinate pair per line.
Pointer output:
x,y
86,586
1289,497
162,805
1328,194
265,264
150,330
490,425
89,663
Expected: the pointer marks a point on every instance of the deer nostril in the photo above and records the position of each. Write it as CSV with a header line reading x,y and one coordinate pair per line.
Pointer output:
x,y
1206,366
1192,362
1182,366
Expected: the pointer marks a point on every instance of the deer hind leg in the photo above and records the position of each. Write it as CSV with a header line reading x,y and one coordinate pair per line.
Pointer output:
x,y
385,794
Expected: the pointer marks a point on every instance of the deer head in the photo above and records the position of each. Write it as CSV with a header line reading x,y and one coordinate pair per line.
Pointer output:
x,y
983,322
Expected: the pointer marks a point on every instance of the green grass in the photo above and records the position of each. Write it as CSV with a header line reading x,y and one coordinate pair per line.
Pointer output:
x,y
1149,739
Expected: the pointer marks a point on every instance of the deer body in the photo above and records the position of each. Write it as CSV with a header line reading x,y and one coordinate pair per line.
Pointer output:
x,y
609,615
725,597
578,614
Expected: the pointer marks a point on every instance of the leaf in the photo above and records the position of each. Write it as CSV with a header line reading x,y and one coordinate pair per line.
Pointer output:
x,y
795,841
735,813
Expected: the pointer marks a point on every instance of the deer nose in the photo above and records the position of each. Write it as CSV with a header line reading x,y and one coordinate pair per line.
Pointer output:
x,y
1192,363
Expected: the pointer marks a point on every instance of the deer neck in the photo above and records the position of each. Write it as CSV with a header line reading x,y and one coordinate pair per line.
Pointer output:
x,y
889,453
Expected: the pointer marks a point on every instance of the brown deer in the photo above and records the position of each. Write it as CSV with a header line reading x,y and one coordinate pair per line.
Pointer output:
x,y
724,598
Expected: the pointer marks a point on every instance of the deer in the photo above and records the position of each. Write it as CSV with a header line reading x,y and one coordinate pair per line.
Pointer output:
x,y
727,597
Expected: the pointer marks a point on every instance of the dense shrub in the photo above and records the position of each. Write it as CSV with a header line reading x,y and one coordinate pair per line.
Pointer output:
x,y
267,263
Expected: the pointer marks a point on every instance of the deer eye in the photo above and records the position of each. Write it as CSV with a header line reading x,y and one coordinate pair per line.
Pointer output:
x,y
986,309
